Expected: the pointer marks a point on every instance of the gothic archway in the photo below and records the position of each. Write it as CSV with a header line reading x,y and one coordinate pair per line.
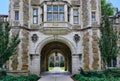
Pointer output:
x,y
54,47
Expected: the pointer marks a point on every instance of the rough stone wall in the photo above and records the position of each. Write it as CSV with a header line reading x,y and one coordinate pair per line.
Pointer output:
x,y
95,50
91,54
24,39
86,50
24,45
35,2
93,4
25,12
85,13
20,60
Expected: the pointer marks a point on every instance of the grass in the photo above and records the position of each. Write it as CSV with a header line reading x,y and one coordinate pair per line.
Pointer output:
x,y
50,68
62,68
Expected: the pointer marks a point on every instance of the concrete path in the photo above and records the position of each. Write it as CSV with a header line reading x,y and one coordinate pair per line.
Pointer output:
x,y
56,75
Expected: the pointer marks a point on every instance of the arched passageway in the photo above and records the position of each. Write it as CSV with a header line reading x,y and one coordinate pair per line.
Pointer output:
x,y
55,47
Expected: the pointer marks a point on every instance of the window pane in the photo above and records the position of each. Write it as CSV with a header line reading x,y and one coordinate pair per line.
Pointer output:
x,y
61,8
16,15
55,8
35,20
75,12
93,16
35,11
49,16
61,17
49,8
55,17
75,19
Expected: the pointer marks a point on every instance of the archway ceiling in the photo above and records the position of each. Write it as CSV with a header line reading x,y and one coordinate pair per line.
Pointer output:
x,y
51,47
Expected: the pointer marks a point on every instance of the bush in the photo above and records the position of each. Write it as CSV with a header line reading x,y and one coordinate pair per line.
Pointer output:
x,y
83,78
61,63
112,72
51,64
2,73
32,77
20,78
106,75
91,73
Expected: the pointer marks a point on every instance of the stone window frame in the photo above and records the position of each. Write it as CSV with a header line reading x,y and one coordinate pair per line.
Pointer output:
x,y
93,15
76,8
35,15
58,13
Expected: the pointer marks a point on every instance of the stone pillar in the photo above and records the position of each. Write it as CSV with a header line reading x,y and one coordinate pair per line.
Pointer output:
x,y
75,64
35,64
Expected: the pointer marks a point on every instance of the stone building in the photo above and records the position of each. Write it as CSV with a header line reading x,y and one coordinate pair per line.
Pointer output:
x,y
69,27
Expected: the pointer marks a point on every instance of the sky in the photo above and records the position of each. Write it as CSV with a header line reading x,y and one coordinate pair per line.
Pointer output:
x,y
4,4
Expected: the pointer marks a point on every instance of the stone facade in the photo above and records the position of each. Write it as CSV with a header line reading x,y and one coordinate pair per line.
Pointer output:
x,y
40,40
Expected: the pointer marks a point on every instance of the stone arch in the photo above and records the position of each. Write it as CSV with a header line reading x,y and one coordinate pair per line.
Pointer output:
x,y
50,39
61,40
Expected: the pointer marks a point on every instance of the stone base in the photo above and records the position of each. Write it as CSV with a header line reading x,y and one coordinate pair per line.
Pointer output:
x,y
17,73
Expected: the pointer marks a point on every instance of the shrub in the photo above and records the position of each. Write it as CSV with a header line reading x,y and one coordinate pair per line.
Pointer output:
x,y
51,64
83,78
112,72
2,73
62,63
20,78
33,77
91,73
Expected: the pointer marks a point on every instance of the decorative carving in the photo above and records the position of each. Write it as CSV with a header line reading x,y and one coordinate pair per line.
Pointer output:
x,y
76,38
34,38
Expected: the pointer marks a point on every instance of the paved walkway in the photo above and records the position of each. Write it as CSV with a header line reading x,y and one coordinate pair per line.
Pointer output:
x,y
56,75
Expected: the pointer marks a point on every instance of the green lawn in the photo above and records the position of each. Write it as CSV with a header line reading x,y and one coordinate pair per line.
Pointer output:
x,y
50,68
62,68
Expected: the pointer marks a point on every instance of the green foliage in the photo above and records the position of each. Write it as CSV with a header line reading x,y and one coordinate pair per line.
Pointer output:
x,y
106,8
110,74
84,78
7,44
91,73
51,64
20,78
109,37
61,63
2,73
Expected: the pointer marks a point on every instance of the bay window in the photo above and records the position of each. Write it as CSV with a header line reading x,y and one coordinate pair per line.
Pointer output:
x,y
55,13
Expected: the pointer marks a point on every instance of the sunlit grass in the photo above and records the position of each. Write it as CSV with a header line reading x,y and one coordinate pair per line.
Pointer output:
x,y
50,68
62,68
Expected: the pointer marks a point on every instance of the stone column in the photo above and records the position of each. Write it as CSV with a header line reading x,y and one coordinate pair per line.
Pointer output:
x,y
75,64
35,65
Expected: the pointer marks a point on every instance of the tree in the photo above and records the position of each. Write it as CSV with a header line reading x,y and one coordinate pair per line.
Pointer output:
x,y
107,6
109,37
8,44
